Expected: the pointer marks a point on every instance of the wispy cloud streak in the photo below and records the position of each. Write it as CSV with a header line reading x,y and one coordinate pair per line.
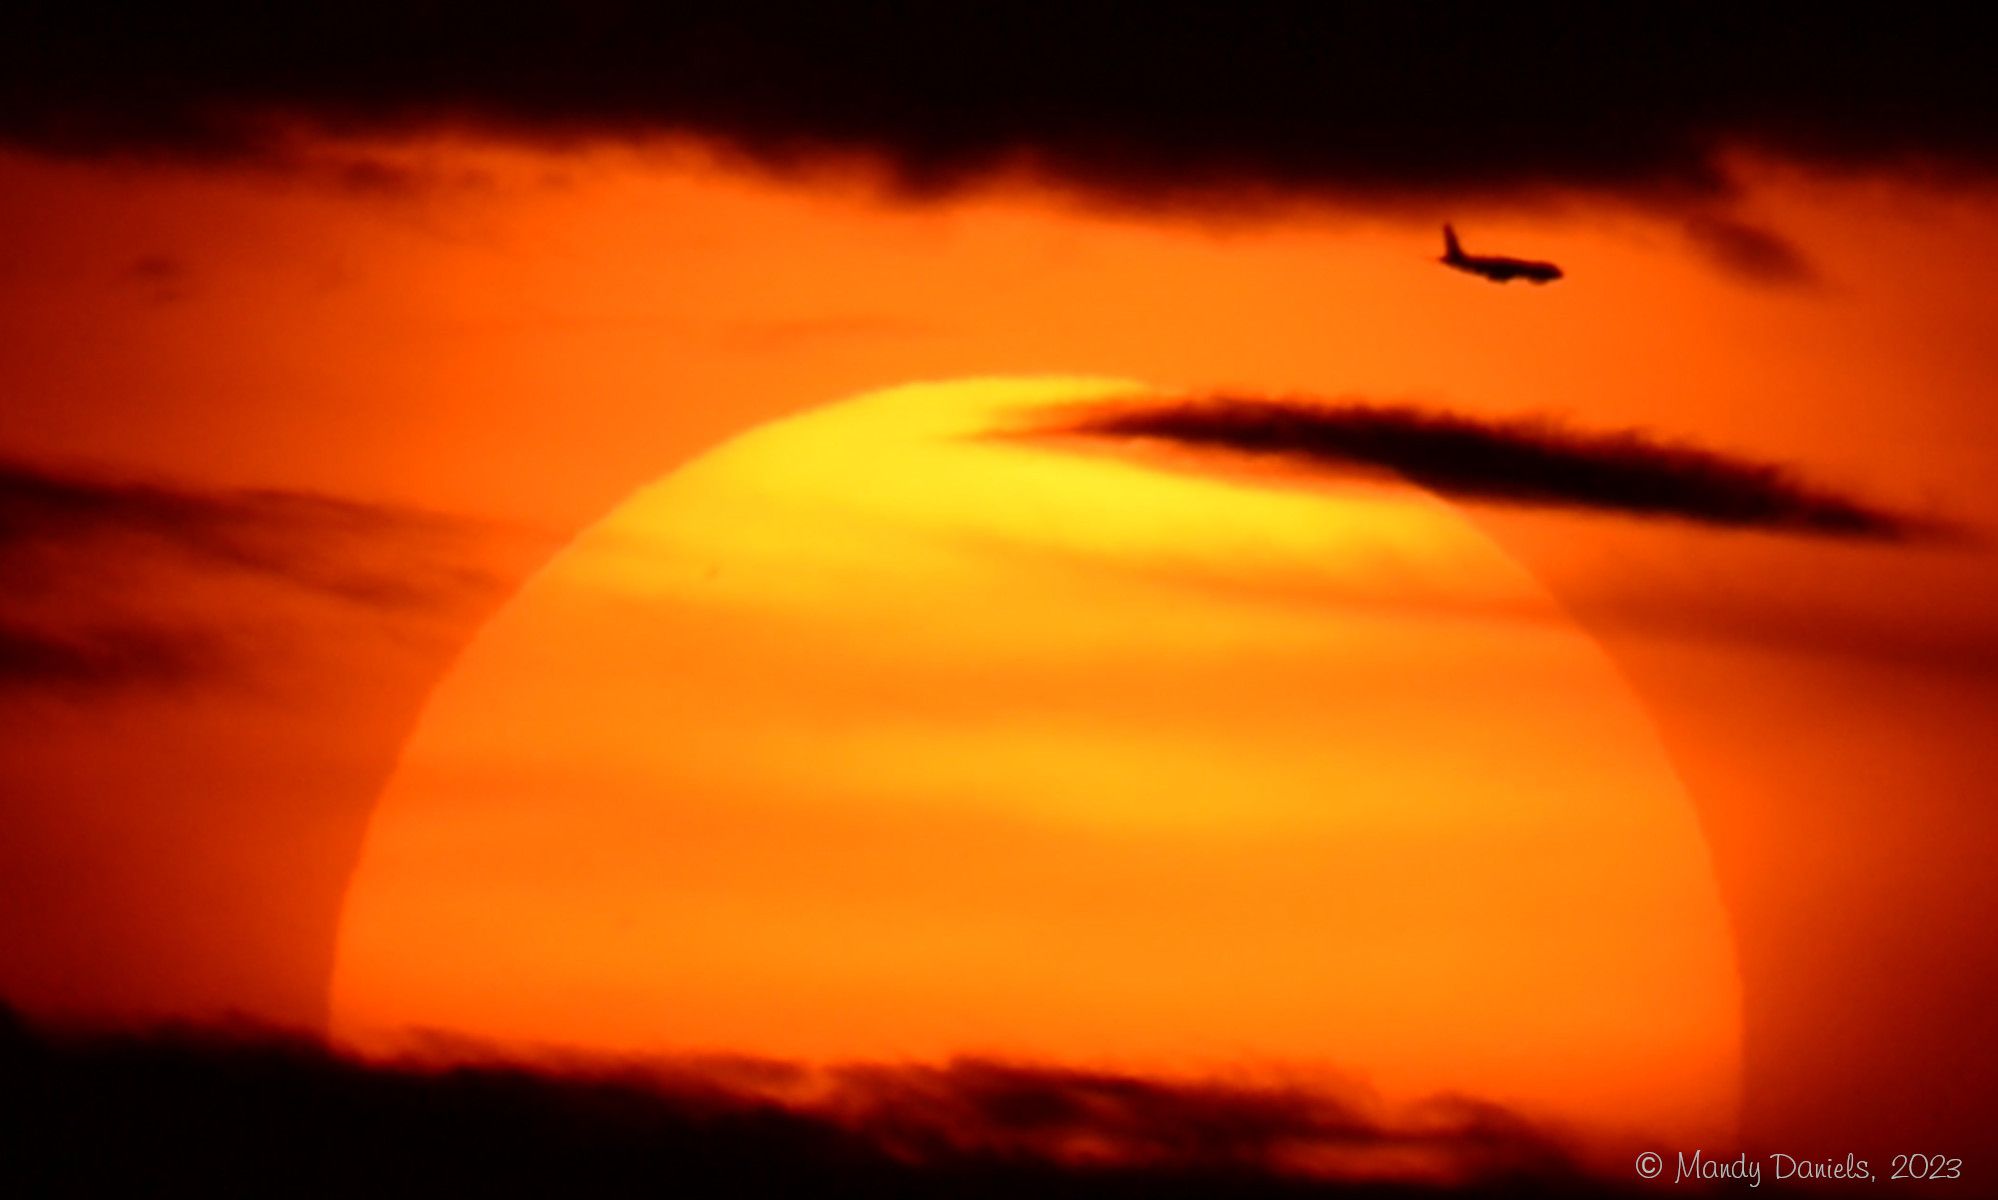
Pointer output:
x,y
1528,461
108,577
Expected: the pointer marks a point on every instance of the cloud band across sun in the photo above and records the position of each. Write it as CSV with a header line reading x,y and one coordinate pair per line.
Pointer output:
x,y
1528,461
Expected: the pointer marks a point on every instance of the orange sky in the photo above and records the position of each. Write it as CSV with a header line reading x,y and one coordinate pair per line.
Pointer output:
x,y
521,340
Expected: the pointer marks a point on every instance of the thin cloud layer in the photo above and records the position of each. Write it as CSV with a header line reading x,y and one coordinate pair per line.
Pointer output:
x,y
115,583
337,547
1524,462
92,655
1083,1118
1378,103
215,1111
1751,252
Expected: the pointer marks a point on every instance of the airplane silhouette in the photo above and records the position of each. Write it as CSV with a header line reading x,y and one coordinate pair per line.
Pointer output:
x,y
1496,268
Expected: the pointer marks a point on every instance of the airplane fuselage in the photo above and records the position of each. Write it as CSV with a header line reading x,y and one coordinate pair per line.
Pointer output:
x,y
1503,270
1497,268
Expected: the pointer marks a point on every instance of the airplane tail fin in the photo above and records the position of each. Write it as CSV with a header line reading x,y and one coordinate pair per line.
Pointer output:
x,y
1451,250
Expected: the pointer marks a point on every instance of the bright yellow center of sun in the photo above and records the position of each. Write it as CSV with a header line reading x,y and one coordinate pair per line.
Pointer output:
x,y
865,737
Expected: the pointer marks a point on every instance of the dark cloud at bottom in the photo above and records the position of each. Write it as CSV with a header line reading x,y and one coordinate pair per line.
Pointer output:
x,y
221,1112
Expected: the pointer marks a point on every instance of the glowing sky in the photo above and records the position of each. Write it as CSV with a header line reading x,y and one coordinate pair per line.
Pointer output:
x,y
517,340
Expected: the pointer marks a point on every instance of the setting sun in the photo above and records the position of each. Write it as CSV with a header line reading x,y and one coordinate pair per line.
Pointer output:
x,y
867,737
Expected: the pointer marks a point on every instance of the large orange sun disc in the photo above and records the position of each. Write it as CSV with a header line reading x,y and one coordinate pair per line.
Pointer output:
x,y
867,738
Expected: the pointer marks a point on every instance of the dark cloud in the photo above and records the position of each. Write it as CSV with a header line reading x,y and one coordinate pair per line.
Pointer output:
x,y
1369,103
379,177
977,1107
1523,461
161,277
1753,253
97,656
100,570
362,553
156,268
238,1113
